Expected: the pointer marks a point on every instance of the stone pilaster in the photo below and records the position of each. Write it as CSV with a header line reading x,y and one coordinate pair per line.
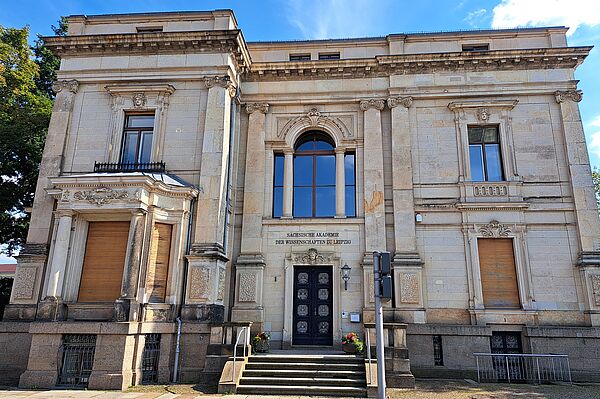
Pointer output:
x,y
288,184
251,259
32,258
127,307
340,183
407,263
207,259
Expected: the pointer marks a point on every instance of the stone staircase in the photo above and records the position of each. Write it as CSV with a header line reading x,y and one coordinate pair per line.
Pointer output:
x,y
300,374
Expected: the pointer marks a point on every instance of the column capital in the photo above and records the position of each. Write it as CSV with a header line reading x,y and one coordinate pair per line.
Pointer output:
x,y
573,95
340,150
263,108
375,103
221,81
288,151
70,85
64,212
406,102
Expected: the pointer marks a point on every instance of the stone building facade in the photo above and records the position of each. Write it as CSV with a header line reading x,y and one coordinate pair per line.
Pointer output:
x,y
189,174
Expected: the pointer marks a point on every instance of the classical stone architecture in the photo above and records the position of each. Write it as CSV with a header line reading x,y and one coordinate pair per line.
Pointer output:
x,y
195,182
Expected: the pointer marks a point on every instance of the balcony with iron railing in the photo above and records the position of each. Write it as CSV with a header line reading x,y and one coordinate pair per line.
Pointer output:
x,y
123,167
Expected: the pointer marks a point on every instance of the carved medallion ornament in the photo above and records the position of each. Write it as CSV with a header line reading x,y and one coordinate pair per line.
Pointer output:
x,y
312,257
100,196
483,114
263,108
221,81
572,95
596,287
393,102
372,103
494,229
139,100
70,85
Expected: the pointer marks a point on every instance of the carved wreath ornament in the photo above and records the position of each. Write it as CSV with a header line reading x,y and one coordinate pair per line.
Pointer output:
x,y
494,229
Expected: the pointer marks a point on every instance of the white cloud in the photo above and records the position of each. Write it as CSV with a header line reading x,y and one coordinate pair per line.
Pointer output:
x,y
474,18
327,19
571,13
594,141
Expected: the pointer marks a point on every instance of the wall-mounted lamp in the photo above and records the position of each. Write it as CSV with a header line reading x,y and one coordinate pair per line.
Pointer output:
x,y
418,218
346,275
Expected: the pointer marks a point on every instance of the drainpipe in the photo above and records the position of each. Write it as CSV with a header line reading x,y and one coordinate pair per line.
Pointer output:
x,y
176,366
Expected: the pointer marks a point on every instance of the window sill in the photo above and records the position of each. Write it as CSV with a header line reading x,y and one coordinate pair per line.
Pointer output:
x,y
312,221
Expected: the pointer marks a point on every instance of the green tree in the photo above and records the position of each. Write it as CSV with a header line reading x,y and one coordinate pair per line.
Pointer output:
x,y
25,112
47,62
596,180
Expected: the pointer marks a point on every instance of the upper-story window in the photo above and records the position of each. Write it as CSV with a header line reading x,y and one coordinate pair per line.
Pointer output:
x,y
299,57
475,47
137,138
314,176
484,153
329,56
278,186
350,183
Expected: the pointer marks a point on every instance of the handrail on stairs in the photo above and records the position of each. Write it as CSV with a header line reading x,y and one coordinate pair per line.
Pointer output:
x,y
246,331
368,340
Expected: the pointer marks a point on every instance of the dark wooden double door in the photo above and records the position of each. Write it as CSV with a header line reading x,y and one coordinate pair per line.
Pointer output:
x,y
313,306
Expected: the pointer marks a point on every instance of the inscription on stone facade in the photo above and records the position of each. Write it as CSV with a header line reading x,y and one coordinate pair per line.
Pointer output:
x,y
199,283
312,238
24,283
409,288
247,287
596,287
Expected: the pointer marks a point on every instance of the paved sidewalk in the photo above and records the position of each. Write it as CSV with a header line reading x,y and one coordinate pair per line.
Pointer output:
x,y
64,394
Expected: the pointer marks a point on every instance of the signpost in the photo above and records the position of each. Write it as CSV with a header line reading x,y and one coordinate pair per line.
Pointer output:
x,y
383,291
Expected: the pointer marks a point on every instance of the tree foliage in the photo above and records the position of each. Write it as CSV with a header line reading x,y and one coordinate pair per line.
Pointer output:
x,y
596,180
26,75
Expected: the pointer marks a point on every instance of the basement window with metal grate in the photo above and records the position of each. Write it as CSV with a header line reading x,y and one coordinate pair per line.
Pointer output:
x,y
76,358
438,352
150,358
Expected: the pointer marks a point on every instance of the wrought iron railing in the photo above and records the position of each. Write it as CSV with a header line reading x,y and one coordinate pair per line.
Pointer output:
x,y
150,358
75,360
107,167
531,368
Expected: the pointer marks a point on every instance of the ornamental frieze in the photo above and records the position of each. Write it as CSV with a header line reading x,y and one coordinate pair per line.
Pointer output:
x,y
100,196
494,229
571,95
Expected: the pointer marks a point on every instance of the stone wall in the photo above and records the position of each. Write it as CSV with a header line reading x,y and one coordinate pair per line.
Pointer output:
x,y
15,342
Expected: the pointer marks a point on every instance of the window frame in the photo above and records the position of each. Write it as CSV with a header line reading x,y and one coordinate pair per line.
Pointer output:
x,y
353,185
333,55
140,132
277,155
482,145
300,57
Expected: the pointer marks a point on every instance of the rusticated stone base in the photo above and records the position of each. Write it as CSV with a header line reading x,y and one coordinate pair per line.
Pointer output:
x,y
14,312
210,313
15,342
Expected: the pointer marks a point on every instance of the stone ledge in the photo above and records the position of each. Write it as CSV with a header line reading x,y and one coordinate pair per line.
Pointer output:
x,y
14,327
434,329
562,332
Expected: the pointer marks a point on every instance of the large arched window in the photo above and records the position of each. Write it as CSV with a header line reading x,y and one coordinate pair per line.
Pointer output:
x,y
314,176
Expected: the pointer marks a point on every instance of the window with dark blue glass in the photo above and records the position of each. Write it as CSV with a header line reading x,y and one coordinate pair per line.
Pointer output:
x,y
278,186
137,139
484,153
314,176
350,183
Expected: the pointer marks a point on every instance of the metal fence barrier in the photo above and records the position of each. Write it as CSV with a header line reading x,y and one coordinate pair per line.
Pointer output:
x,y
529,368
75,360
150,358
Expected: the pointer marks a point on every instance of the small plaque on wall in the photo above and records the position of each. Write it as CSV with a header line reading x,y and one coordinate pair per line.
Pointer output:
x,y
355,317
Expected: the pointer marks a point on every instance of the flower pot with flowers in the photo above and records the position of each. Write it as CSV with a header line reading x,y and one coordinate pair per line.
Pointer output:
x,y
351,343
260,342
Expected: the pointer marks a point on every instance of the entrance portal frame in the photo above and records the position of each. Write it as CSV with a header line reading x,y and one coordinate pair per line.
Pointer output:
x,y
310,257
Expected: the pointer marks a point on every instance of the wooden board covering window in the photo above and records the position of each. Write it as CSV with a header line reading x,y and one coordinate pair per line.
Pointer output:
x,y
498,273
158,263
104,261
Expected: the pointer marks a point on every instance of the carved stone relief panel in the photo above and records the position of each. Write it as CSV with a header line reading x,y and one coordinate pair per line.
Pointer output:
x,y
24,282
596,288
247,292
494,229
312,257
221,291
409,288
101,195
199,283
343,125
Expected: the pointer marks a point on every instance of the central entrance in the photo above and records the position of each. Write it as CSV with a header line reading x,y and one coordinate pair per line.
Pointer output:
x,y
313,306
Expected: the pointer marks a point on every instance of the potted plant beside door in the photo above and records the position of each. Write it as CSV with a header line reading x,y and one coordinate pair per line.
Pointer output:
x,y
260,342
351,343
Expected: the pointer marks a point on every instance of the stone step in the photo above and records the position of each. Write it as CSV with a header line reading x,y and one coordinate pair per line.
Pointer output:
x,y
325,359
302,390
306,366
321,373
303,381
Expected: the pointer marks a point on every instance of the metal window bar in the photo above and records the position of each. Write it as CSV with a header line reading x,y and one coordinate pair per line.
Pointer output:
x,y
438,352
529,368
106,167
150,358
75,360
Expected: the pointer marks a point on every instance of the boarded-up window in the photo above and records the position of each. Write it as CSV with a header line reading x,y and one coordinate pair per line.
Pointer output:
x,y
104,261
158,262
498,273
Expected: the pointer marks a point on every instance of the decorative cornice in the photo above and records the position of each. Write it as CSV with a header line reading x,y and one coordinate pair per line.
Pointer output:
x,y
482,104
572,95
404,64
70,85
406,102
221,81
134,89
209,41
372,103
260,107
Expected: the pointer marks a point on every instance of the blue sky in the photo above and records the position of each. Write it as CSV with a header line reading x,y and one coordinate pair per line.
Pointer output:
x,y
318,19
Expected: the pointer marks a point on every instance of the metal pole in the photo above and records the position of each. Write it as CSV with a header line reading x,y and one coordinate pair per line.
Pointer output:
x,y
379,329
